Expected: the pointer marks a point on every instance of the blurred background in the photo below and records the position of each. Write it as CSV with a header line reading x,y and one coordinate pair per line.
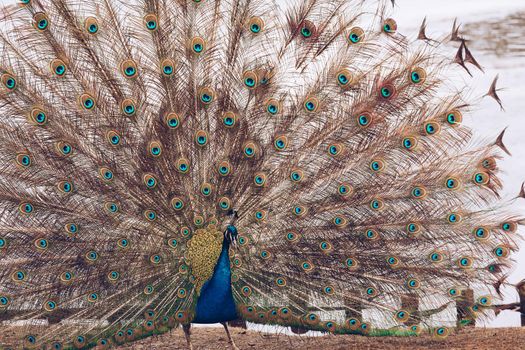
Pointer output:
x,y
496,30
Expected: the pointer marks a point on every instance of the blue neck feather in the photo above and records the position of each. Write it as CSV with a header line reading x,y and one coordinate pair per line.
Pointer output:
x,y
215,303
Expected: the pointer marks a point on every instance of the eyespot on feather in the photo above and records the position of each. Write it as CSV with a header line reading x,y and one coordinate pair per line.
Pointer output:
x,y
38,117
345,78
151,22
255,25
417,75
356,35
389,26
87,101
58,67
128,69
9,81
41,21
307,29
172,120
197,45
206,95
91,25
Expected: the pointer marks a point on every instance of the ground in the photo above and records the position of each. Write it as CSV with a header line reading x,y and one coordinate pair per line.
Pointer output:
x,y
215,338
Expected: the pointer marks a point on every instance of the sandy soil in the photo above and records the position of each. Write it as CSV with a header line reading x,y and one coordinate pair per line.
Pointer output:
x,y
215,338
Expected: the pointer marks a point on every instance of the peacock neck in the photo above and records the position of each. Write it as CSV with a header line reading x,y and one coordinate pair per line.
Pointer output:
x,y
215,303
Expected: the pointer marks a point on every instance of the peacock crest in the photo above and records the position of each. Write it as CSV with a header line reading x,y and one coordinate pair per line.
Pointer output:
x,y
169,162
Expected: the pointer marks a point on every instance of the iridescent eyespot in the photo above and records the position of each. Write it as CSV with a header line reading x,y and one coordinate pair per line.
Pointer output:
x,y
113,276
454,292
113,137
481,233
206,95
501,251
256,25
281,281
224,203
335,149
297,175
265,254
352,263
402,316
441,332
292,236
377,204
413,283
307,29
377,165
30,340
177,203
111,207
419,192
91,256
229,119
106,174
344,78
65,186
41,243
250,149
123,243
389,26
91,25
197,45
18,276
454,218
38,117
340,221
206,189
185,231
4,301
172,243
417,75
3,243
63,148
40,21
23,159
58,67
452,183
364,119
149,289
181,293
372,234
167,67
328,290
155,148
481,178
128,107
172,120
353,323
454,118
356,35
465,262
280,143
183,165
246,291
151,21
9,81
71,229
436,257
224,168
409,143
485,300
345,190
128,68
392,261
325,246
311,105
259,179
299,210
371,292
25,2
413,229
250,79
66,276
509,227
201,138
92,298
87,101
273,107
155,259
432,128
150,215
26,208
386,92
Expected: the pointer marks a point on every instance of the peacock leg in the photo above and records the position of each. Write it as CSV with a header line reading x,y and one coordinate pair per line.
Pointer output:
x,y
230,340
186,329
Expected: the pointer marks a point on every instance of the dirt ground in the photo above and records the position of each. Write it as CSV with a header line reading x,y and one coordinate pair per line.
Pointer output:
x,y
215,338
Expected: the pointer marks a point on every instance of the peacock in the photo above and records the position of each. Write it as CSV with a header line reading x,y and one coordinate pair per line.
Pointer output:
x,y
169,162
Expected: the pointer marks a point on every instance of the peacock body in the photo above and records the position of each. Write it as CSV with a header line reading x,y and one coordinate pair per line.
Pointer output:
x,y
177,162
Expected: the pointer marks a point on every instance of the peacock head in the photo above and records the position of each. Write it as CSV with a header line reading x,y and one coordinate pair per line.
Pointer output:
x,y
230,235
